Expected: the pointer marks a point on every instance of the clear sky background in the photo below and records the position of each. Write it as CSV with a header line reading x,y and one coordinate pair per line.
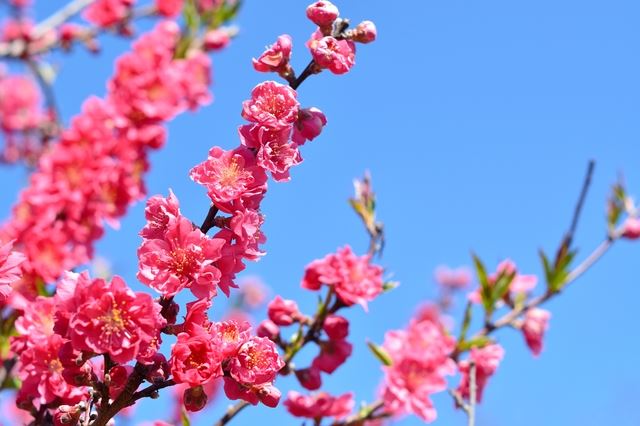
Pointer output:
x,y
476,120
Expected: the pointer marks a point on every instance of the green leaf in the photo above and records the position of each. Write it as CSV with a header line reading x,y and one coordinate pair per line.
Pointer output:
x,y
184,417
501,286
466,322
380,353
485,287
478,342
390,285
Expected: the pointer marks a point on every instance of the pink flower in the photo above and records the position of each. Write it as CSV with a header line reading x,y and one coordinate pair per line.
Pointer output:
x,y
266,393
256,362
536,323
160,211
319,405
338,56
354,278
118,379
40,370
453,279
117,321
245,225
272,105
275,151
194,360
310,123
631,228
229,336
169,8
106,13
333,354
336,327
283,311
182,259
9,269
486,360
420,357
322,13
232,178
20,108
276,57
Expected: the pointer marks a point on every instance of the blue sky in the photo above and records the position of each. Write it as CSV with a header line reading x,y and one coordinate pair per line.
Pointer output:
x,y
476,120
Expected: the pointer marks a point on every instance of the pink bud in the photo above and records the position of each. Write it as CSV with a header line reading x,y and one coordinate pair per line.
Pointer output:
x,y
536,323
365,32
282,311
322,13
268,329
336,327
194,398
310,123
66,415
631,228
268,394
309,378
216,39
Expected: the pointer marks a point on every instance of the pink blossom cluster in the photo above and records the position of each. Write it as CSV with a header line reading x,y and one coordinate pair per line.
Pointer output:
x,y
319,405
9,269
58,336
106,13
96,170
420,361
353,278
208,350
175,254
21,117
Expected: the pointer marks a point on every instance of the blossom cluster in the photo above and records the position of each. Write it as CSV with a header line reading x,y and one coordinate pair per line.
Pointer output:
x,y
58,337
96,170
208,350
21,117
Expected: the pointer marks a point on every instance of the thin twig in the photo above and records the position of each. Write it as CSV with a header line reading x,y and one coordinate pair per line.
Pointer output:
x,y
471,413
232,411
578,209
61,16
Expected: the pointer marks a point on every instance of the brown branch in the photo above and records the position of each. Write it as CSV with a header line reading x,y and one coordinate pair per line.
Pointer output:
x,y
578,209
232,411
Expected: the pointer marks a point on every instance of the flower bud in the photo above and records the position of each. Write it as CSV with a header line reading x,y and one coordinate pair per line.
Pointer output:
x,y
322,13
631,228
194,398
216,39
268,329
365,32
336,327
159,370
310,123
309,378
282,311
66,415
